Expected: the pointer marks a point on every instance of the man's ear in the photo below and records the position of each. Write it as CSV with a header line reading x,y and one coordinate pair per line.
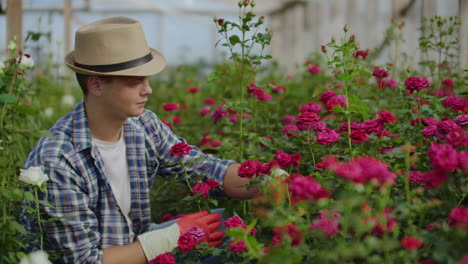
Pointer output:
x,y
94,85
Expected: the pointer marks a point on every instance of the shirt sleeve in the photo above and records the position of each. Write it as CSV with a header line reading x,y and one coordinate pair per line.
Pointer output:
x,y
197,163
74,235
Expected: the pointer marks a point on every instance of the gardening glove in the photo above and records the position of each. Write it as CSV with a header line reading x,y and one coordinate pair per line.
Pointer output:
x,y
208,222
164,240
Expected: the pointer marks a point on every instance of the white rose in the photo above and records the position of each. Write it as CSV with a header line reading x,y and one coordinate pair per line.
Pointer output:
x,y
49,112
37,257
68,100
34,175
26,61
2,66
278,172
11,45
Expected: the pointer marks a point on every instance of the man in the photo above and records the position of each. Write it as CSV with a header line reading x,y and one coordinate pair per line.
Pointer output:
x,y
107,151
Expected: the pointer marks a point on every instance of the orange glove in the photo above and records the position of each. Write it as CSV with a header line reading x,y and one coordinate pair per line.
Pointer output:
x,y
208,222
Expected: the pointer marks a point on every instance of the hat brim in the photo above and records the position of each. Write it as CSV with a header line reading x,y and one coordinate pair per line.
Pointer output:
x,y
152,67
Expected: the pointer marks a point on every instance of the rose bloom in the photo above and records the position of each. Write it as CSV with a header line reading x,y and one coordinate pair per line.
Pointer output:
x,y
249,168
411,243
284,159
186,242
36,257
416,83
306,119
201,188
457,104
170,107
335,100
205,110
328,223
304,187
448,82
390,83
193,90
290,130
288,119
386,116
434,178
326,95
196,232
380,73
327,162
361,54
354,126
180,149
212,184
311,107
237,247
461,120
233,222
327,136
33,175
416,177
165,258
443,157
176,119
358,136
457,138
278,90
314,69
458,217
463,161
210,101
429,131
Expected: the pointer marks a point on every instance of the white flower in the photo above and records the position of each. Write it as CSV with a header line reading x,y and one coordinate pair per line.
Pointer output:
x,y
1,148
26,61
2,66
37,257
49,112
278,172
34,175
68,100
11,45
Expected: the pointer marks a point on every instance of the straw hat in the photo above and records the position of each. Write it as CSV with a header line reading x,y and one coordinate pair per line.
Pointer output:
x,y
114,46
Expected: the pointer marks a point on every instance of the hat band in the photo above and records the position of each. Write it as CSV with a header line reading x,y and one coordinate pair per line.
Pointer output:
x,y
117,66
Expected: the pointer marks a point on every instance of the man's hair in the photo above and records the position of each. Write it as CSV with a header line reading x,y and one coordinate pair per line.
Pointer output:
x,y
83,81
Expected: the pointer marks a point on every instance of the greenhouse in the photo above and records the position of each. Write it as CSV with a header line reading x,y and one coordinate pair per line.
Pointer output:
x,y
234,131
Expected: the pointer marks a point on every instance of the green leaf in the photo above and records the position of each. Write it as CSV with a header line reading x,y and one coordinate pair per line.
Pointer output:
x,y
234,39
8,98
213,76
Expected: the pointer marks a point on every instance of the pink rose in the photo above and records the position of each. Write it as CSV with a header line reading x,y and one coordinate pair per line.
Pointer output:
x,y
170,107
416,83
411,243
249,168
180,149
327,136
165,258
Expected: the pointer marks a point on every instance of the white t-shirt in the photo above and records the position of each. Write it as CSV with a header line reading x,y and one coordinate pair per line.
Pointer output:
x,y
114,155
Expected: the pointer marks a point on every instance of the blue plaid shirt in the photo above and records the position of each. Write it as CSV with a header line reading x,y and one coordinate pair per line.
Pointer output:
x,y
79,188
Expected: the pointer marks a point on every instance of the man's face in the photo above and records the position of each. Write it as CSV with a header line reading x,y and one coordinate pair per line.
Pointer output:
x,y
125,96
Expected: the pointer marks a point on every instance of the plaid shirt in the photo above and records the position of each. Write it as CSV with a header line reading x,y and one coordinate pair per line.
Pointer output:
x,y
79,188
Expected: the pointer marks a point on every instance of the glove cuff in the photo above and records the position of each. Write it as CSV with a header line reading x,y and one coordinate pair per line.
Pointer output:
x,y
159,241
